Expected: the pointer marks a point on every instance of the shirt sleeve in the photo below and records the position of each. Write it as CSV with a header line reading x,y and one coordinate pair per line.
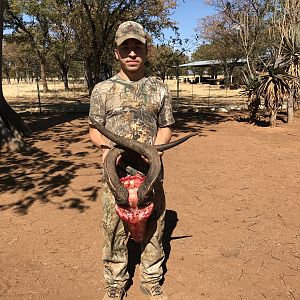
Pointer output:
x,y
97,107
165,117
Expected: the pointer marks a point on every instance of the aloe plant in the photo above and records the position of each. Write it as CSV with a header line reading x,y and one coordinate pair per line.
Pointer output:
x,y
251,84
274,87
270,88
291,61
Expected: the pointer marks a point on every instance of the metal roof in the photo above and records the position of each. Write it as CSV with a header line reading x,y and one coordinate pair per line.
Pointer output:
x,y
209,63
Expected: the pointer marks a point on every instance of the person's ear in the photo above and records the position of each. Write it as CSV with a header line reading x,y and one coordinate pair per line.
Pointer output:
x,y
117,54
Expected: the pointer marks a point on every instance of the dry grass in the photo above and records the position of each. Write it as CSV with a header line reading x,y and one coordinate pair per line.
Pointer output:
x,y
205,95
24,96
56,89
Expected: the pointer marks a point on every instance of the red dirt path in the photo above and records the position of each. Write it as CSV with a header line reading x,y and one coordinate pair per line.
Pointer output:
x,y
233,229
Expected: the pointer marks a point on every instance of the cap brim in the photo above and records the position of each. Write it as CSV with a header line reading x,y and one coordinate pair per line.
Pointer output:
x,y
130,36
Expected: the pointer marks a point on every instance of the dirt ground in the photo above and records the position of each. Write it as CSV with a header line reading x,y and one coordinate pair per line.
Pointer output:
x,y
232,223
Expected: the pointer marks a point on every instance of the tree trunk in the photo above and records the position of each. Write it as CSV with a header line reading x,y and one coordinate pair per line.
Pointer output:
x,y
64,74
273,115
12,128
101,72
253,113
290,107
18,77
106,71
43,76
89,75
297,103
7,74
163,76
96,71
226,77
27,76
64,70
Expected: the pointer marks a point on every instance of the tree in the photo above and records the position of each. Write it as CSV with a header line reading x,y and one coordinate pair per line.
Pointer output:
x,y
165,57
251,20
286,25
220,33
95,23
18,60
163,60
206,51
269,34
34,28
63,47
61,36
12,128
83,30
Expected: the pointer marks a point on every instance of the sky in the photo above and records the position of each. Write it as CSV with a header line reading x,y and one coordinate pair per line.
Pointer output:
x,y
187,14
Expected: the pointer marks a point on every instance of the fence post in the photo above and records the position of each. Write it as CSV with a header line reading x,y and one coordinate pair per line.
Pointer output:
x,y
177,78
38,89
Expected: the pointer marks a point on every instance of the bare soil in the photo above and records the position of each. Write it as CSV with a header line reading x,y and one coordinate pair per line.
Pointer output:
x,y
232,224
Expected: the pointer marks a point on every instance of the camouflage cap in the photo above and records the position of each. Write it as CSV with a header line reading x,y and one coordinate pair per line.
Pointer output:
x,y
130,30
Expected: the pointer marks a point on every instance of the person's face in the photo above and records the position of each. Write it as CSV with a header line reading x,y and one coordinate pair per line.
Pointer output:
x,y
131,54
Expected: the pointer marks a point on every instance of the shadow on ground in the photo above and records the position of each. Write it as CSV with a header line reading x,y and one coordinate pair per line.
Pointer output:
x,y
134,249
48,106
45,172
190,121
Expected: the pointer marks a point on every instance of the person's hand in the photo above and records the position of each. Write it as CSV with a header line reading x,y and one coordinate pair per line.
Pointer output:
x,y
146,160
118,159
104,154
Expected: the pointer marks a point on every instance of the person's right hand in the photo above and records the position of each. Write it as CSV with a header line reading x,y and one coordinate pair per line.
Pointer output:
x,y
104,154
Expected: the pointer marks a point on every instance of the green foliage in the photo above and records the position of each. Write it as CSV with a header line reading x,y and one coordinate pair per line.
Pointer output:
x,y
82,30
163,60
265,31
239,30
19,61
221,38
206,52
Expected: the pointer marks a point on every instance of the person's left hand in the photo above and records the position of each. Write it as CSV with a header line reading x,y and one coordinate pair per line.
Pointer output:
x,y
146,160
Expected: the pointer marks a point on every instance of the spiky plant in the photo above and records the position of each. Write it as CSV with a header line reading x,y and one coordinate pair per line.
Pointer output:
x,y
251,84
291,60
274,86
269,88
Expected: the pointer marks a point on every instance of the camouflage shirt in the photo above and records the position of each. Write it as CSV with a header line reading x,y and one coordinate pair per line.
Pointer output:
x,y
132,109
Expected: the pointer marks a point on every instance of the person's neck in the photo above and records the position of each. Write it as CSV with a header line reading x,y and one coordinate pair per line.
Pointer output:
x,y
131,76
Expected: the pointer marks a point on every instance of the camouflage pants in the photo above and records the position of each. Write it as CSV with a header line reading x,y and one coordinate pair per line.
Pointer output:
x,y
115,253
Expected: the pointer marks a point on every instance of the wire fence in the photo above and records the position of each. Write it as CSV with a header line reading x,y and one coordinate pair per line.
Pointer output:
x,y
29,96
206,96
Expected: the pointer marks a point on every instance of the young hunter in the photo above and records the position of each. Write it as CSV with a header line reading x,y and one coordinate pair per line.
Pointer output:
x,y
136,107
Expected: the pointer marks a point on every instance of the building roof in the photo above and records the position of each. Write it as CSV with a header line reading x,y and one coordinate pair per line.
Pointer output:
x,y
210,63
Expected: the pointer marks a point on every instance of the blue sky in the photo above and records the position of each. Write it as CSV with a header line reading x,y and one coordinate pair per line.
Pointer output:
x,y
187,14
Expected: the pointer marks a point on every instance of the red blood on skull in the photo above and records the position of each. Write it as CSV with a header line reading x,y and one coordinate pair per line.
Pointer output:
x,y
135,217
